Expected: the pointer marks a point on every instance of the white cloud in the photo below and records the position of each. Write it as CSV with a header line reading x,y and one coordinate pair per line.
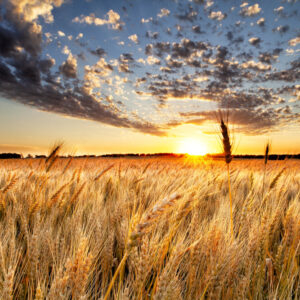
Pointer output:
x,y
255,65
289,51
79,36
250,10
146,20
294,42
141,61
209,3
279,9
217,15
48,36
163,13
134,38
31,10
60,33
66,50
112,19
151,60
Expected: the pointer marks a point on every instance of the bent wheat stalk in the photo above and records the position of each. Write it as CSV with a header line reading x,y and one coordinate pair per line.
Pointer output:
x,y
140,230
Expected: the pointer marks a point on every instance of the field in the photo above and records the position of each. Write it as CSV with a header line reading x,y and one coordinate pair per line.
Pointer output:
x,y
160,225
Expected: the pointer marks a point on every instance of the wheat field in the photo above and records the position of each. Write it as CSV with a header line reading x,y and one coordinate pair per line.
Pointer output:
x,y
148,228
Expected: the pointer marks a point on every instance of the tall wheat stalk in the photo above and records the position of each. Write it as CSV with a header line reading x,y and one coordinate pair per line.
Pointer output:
x,y
228,158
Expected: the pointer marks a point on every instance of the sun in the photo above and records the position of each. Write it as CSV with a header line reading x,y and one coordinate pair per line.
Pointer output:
x,y
192,147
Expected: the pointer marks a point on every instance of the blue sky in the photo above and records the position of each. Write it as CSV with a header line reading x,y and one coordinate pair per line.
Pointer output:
x,y
151,70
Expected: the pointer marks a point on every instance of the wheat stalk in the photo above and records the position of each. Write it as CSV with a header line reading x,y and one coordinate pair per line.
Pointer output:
x,y
228,158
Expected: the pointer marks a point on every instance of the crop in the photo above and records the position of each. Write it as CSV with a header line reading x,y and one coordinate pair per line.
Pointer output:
x,y
148,228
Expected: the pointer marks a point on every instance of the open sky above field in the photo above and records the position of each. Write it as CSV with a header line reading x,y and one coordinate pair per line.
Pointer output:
x,y
148,76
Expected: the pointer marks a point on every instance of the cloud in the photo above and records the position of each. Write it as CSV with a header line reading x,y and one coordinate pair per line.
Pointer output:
x,y
152,35
125,60
79,36
270,57
69,67
98,52
66,50
209,3
28,78
254,121
134,38
217,15
279,9
255,41
151,60
294,42
261,22
244,4
146,20
60,33
73,104
250,10
187,48
197,29
291,74
256,66
190,15
163,13
31,10
282,29
112,19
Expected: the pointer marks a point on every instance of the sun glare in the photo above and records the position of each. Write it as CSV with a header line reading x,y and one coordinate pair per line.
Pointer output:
x,y
192,147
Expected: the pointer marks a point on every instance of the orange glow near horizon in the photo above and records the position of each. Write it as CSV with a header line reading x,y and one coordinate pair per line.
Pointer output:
x,y
192,147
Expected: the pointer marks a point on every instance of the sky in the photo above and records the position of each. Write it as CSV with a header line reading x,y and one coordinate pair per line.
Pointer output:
x,y
137,76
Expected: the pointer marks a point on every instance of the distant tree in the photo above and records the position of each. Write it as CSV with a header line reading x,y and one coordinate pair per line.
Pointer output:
x,y
10,155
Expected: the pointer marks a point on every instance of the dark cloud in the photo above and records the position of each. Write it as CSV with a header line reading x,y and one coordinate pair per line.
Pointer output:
x,y
69,67
8,42
229,35
197,29
190,15
250,121
152,35
291,74
186,48
27,77
126,58
282,28
100,52
270,57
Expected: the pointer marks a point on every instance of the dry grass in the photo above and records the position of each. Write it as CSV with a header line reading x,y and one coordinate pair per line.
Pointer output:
x,y
66,225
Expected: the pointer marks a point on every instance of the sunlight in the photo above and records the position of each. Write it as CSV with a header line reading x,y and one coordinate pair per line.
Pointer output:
x,y
192,147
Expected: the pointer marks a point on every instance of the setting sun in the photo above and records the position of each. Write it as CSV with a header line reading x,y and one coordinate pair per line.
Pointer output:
x,y
192,147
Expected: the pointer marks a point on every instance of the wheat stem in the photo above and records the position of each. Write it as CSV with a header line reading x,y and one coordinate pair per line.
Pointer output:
x,y
230,200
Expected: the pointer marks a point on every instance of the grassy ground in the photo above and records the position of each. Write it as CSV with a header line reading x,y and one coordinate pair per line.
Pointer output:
x,y
67,226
